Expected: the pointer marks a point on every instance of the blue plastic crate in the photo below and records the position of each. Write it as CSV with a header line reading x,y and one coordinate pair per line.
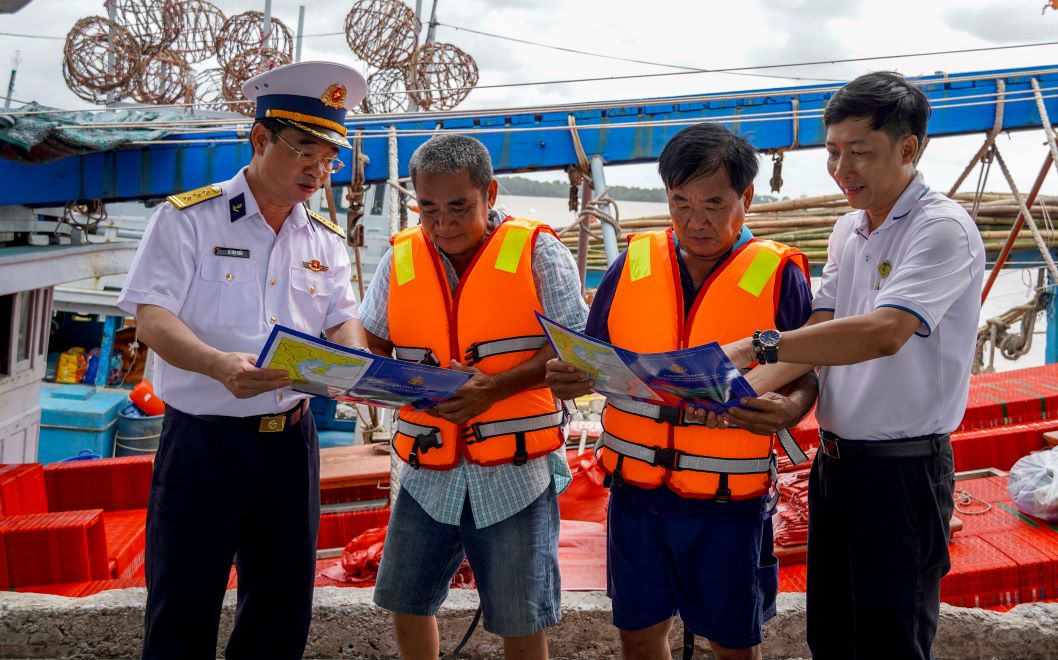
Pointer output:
x,y
323,410
330,439
77,417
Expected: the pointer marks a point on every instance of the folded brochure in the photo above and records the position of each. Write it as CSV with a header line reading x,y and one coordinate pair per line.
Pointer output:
x,y
700,376
320,367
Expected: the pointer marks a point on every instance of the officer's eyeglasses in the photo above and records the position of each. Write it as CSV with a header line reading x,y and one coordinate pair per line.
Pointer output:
x,y
330,165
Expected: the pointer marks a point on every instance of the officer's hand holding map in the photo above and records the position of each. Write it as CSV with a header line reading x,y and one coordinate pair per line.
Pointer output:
x,y
323,368
700,377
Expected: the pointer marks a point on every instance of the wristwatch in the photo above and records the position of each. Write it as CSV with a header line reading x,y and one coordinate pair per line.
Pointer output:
x,y
766,346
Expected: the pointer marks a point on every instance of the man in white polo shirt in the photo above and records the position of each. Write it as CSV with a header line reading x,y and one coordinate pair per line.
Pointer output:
x,y
893,330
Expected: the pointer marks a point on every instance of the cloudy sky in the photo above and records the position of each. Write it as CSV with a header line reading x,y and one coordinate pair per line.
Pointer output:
x,y
704,34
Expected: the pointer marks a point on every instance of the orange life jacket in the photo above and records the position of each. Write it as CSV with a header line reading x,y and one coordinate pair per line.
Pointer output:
x,y
649,445
488,323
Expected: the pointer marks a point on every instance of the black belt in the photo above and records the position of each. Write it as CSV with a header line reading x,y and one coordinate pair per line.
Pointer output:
x,y
260,423
833,446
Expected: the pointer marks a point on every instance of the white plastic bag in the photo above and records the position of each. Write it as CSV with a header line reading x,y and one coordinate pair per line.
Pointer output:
x,y
1033,486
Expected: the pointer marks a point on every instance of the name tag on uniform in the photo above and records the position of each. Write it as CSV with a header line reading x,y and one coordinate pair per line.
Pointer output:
x,y
231,252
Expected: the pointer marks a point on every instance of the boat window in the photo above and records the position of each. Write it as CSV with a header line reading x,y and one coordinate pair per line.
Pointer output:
x,y
7,307
379,199
24,320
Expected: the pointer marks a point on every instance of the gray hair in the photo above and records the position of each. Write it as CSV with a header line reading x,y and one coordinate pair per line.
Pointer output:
x,y
450,153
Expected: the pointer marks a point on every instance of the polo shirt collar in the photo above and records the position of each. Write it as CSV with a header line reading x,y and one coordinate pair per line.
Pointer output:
x,y
906,203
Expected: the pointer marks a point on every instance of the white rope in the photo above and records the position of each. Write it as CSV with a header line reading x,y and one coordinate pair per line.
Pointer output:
x,y
1042,108
1044,250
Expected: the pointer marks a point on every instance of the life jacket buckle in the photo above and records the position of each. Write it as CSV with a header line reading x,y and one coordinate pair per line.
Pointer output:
x,y
428,441
667,415
723,495
521,457
664,457
471,355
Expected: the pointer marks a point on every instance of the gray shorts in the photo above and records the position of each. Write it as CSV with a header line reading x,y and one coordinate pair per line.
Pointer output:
x,y
515,564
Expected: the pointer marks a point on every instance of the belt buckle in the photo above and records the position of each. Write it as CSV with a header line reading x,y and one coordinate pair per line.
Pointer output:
x,y
272,423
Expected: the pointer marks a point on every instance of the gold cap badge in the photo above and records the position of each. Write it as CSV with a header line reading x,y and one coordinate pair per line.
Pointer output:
x,y
334,97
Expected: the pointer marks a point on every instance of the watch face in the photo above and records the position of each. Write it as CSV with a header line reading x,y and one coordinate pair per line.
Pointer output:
x,y
770,338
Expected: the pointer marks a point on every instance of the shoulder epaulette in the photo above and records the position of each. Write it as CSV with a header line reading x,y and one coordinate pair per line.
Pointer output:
x,y
325,222
192,197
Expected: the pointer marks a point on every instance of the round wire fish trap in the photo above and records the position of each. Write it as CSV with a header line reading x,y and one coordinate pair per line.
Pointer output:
x,y
165,79
385,92
244,32
383,33
200,24
91,45
92,96
440,76
154,23
209,90
244,66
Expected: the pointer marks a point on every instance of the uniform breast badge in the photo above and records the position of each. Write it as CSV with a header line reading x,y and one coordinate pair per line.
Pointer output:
x,y
315,266
885,268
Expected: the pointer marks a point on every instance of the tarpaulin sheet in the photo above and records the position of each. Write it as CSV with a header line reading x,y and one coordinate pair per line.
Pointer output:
x,y
49,134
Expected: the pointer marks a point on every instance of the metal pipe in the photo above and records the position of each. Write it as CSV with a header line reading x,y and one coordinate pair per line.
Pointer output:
x,y
112,13
15,61
433,24
582,237
301,31
394,193
609,233
1018,223
266,22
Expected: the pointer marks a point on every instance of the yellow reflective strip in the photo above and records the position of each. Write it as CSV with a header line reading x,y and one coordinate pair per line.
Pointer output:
x,y
639,257
759,272
403,262
511,251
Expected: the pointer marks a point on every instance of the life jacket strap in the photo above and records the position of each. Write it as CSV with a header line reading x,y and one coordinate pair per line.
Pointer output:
x,y
485,349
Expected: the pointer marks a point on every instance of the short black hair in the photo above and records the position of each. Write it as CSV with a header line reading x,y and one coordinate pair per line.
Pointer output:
x,y
702,149
452,153
274,126
893,105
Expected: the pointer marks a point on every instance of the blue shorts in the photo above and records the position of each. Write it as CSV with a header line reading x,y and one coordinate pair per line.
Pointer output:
x,y
711,563
515,564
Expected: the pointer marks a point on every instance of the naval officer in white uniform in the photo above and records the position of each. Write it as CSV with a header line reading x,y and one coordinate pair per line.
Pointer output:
x,y
236,476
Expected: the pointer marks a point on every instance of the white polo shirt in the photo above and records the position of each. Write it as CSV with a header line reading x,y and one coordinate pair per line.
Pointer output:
x,y
220,269
927,258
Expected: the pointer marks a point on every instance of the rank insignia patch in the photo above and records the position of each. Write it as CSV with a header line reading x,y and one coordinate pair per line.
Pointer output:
x,y
315,266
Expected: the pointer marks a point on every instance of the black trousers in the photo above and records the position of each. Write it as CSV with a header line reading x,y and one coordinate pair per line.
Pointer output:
x,y
877,550
224,492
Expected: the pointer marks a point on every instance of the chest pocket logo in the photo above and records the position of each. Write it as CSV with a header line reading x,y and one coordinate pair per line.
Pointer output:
x,y
228,292
310,295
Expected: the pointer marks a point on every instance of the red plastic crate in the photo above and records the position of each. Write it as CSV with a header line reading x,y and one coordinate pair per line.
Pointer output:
x,y
998,447
111,484
988,489
47,548
1003,517
793,578
337,529
126,538
1035,569
981,575
22,489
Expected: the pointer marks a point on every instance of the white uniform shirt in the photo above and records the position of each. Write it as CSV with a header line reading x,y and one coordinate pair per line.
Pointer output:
x,y
221,269
927,258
